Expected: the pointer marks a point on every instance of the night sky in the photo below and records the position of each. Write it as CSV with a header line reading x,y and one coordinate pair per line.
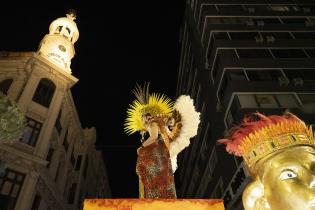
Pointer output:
x,y
121,43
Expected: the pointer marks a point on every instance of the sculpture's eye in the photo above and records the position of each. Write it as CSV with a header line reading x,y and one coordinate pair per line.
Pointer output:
x,y
287,174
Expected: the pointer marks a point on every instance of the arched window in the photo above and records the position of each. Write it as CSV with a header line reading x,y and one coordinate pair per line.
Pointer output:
x,y
58,30
5,85
68,31
44,92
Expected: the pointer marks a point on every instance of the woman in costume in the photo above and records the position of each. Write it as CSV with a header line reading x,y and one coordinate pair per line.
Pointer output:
x,y
169,126
279,152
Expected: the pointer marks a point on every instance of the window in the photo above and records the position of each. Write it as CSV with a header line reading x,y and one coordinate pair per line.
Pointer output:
x,y
58,124
227,198
31,132
230,8
221,36
263,75
57,172
217,63
195,82
247,101
198,99
294,20
5,85
236,75
229,119
60,173
223,87
200,14
264,21
288,53
81,198
85,167
210,46
238,180
287,101
65,141
308,8
266,101
307,98
58,30
304,35
205,145
72,193
10,186
305,74
256,8
2,168
44,92
36,202
277,35
189,85
49,155
279,8
234,106
78,163
212,161
253,53
218,189
243,35
72,159
228,20
68,30
310,52
67,33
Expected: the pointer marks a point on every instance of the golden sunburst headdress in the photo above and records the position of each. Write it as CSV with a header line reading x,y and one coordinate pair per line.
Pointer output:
x,y
154,104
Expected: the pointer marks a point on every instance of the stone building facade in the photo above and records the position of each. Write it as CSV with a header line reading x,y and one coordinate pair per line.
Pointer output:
x,y
55,164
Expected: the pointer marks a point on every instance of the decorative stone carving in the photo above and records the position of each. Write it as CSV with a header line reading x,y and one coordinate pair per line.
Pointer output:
x,y
12,120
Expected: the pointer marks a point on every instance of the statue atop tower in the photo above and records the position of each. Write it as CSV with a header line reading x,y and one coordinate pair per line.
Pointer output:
x,y
58,46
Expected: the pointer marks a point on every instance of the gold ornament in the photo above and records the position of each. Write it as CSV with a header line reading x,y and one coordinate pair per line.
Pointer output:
x,y
279,152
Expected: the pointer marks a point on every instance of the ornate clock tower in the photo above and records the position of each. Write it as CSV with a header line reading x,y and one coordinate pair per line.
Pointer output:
x,y
52,165
58,45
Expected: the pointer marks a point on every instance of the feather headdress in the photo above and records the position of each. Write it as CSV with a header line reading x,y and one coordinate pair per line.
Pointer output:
x,y
260,135
154,104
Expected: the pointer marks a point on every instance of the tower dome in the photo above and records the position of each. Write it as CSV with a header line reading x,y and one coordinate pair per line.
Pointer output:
x,y
65,26
58,45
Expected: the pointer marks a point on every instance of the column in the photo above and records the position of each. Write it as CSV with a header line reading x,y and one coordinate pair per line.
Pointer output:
x,y
47,128
27,193
28,92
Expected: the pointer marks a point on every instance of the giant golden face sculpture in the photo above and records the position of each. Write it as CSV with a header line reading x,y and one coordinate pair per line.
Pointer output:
x,y
279,152
285,180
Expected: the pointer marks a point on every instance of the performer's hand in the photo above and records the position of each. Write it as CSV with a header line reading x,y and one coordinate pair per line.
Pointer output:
x,y
139,149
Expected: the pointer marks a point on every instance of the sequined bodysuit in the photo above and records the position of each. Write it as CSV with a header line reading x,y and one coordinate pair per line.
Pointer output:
x,y
155,170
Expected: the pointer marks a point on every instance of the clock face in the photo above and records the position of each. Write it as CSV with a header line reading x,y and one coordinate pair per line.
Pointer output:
x,y
62,48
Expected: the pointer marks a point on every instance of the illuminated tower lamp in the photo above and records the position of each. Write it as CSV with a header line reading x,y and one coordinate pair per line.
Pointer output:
x,y
58,46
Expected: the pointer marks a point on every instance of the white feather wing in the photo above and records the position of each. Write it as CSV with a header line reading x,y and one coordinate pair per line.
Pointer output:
x,y
190,119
